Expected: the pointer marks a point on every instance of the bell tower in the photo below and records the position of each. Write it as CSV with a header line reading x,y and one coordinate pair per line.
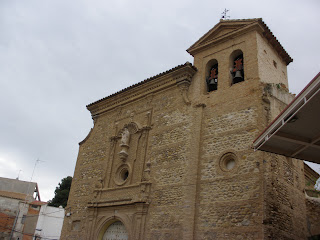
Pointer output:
x,y
236,51
241,85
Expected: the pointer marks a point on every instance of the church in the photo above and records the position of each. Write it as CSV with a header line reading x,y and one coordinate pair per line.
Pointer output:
x,y
171,157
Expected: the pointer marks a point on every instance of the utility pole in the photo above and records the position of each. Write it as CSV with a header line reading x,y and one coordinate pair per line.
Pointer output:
x,y
14,224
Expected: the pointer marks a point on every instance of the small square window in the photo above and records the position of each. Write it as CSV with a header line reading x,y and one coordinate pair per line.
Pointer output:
x,y
76,225
23,219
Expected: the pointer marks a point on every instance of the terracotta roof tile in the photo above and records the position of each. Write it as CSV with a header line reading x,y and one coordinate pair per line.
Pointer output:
x,y
275,43
38,203
144,81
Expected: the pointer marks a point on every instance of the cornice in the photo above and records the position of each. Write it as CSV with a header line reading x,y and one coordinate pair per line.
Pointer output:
x,y
143,88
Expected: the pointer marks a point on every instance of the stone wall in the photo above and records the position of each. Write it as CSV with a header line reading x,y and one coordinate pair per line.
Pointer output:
x,y
89,169
229,200
272,69
168,151
313,216
285,209
191,172
170,211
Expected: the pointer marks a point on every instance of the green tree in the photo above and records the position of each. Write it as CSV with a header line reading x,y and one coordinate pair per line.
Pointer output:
x,y
61,194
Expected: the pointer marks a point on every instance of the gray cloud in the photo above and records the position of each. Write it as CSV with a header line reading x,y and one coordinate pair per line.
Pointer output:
x,y
58,56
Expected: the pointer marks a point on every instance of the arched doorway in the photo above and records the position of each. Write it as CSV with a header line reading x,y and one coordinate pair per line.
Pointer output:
x,y
116,231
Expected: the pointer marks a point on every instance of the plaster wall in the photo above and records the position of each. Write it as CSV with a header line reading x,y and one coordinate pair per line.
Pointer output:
x,y
17,186
9,205
50,222
30,222
23,210
9,209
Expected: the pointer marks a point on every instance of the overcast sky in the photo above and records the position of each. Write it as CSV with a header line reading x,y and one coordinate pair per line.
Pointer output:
x,y
57,56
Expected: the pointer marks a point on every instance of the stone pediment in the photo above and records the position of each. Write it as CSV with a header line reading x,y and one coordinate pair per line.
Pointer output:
x,y
227,29
223,30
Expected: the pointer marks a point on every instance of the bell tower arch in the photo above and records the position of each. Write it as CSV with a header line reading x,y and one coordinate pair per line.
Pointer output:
x,y
246,50
212,74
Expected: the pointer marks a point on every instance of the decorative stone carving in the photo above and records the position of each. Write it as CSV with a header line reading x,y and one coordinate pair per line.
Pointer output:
x,y
198,105
183,81
98,185
125,137
127,164
124,144
184,87
146,175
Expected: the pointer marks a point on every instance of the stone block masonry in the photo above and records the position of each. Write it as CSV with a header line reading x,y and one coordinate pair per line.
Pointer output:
x,y
167,159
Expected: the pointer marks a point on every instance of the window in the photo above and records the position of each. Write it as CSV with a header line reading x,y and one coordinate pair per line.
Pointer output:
x,y
76,225
23,219
228,162
122,174
237,67
212,75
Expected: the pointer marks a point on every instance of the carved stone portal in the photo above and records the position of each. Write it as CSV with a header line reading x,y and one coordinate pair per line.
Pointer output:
x,y
127,162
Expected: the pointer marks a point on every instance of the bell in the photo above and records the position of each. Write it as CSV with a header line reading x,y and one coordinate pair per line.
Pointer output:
x,y
213,84
213,81
237,77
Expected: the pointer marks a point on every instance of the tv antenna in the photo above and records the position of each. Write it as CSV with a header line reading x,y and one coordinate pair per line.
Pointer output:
x,y
19,174
224,14
37,161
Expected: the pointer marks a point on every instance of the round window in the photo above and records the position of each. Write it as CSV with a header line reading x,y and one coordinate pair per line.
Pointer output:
x,y
122,174
228,162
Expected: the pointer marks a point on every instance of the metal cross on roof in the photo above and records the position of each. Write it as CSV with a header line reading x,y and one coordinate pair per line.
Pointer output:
x,y
224,14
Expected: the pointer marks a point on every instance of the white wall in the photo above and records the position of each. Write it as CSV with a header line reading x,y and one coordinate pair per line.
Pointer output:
x,y
50,222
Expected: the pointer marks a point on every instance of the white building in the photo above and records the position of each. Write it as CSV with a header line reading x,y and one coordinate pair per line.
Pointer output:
x,y
49,223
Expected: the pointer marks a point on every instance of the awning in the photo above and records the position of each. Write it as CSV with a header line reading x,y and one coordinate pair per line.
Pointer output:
x,y
296,131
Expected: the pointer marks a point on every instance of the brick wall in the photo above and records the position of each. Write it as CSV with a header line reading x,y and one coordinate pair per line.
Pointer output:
x,y
6,224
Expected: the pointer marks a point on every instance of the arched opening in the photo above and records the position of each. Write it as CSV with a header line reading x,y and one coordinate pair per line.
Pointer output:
x,y
114,231
212,75
237,67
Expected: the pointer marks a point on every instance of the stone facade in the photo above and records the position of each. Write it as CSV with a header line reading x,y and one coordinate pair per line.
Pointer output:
x,y
170,160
